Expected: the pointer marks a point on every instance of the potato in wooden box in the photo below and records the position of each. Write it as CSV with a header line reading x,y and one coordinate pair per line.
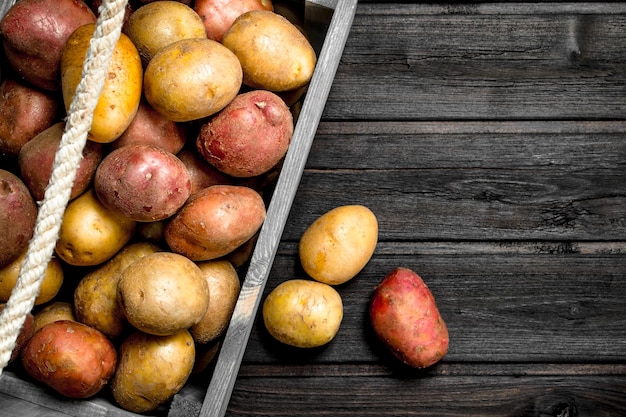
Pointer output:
x,y
326,24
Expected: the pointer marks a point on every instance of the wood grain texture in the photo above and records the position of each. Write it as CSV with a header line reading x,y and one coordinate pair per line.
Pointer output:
x,y
490,141
489,61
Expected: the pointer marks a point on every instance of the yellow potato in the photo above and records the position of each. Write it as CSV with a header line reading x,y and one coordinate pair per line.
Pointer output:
x,y
192,79
160,23
163,293
303,313
90,233
338,245
95,296
120,97
50,285
273,52
152,369
224,289
55,311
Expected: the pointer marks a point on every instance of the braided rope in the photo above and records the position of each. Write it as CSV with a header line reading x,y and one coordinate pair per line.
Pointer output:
x,y
67,159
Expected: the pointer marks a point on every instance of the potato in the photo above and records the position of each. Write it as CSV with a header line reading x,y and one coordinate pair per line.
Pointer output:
x,y
55,311
163,293
249,136
152,369
215,221
36,159
90,233
224,288
34,33
161,23
95,297
26,332
71,358
201,173
338,245
303,313
123,82
192,79
19,213
219,15
152,128
405,317
142,182
24,112
50,284
274,54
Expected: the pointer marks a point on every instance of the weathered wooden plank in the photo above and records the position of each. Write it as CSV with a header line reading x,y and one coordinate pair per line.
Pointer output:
x,y
535,61
34,394
566,146
472,204
508,307
12,408
428,396
333,370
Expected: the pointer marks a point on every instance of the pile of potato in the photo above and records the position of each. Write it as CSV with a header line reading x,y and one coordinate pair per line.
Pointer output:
x,y
196,114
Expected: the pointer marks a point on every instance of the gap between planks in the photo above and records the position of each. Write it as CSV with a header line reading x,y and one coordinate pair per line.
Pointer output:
x,y
471,127
443,369
497,8
606,248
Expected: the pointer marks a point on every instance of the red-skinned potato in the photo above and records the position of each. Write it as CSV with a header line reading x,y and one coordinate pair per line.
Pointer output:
x,y
142,182
249,136
202,173
36,159
219,15
215,221
404,315
26,332
152,128
34,33
19,213
71,358
24,112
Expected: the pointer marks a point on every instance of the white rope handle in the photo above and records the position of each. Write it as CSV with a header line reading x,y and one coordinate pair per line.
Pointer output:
x,y
67,159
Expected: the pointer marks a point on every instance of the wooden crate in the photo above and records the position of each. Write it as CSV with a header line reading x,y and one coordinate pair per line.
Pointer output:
x,y
327,23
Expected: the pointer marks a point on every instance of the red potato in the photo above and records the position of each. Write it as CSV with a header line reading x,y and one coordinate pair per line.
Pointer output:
x,y
24,113
249,136
215,222
152,128
405,317
34,33
219,15
19,213
36,159
27,331
202,174
142,182
71,358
